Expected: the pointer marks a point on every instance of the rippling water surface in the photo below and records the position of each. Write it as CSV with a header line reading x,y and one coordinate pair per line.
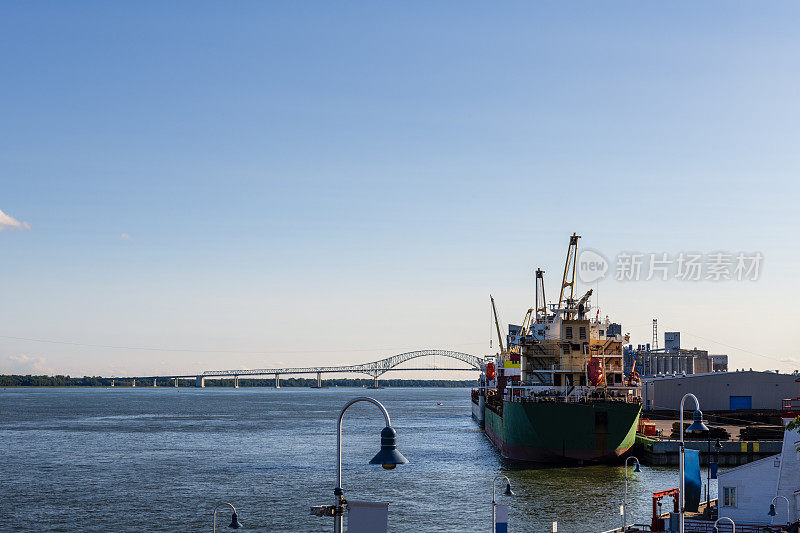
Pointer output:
x,y
144,459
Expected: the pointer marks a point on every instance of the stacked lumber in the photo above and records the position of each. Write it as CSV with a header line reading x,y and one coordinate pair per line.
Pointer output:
x,y
714,433
761,433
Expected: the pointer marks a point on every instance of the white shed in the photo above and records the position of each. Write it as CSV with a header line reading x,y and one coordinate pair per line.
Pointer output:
x,y
745,492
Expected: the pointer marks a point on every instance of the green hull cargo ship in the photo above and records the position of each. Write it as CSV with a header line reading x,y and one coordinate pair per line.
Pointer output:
x,y
550,432
557,393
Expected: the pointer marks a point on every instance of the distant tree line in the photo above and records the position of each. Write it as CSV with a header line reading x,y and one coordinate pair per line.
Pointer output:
x,y
97,381
52,381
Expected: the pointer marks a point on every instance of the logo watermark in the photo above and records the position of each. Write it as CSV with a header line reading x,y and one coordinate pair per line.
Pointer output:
x,y
592,266
682,266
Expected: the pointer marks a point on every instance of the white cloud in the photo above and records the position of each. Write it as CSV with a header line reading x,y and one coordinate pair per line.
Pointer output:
x,y
25,364
125,237
9,222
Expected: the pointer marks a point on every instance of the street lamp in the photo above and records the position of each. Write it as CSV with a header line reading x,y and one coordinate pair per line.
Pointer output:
x,y
696,426
733,524
388,457
717,448
507,492
636,468
234,517
772,508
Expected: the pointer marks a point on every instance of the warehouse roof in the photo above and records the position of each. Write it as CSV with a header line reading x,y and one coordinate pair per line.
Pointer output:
x,y
707,374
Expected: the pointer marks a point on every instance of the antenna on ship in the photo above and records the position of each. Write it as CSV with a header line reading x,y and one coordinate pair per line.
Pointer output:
x,y
569,273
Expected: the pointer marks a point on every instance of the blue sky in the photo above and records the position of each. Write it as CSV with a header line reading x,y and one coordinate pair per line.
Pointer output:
x,y
334,182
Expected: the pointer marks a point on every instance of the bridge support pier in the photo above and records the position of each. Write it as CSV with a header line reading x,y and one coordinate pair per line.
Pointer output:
x,y
319,380
200,382
133,382
235,382
375,383
175,382
277,381
112,382
155,382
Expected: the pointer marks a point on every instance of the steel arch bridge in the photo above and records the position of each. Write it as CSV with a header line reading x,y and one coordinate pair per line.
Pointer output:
x,y
374,369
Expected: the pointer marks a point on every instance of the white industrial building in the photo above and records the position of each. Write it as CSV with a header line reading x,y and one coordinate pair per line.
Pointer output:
x,y
722,391
746,492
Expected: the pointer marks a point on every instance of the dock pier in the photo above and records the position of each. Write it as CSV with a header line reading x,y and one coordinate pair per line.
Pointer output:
x,y
664,452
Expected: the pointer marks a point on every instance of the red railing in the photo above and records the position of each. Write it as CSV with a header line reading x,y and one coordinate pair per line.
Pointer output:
x,y
790,407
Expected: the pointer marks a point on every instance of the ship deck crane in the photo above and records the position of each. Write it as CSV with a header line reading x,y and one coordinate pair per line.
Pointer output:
x,y
580,305
497,325
541,300
568,279
538,314
526,322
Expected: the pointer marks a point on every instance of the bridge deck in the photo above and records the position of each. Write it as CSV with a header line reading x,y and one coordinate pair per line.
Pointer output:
x,y
374,369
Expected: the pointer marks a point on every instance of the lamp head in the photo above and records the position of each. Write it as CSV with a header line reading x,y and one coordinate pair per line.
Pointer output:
x,y
715,530
718,445
697,425
636,467
388,457
508,491
234,522
771,510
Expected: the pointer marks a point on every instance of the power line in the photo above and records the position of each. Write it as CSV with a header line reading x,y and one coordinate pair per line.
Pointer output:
x,y
736,348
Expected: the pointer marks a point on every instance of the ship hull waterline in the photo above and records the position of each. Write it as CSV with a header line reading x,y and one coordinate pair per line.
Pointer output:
x,y
553,432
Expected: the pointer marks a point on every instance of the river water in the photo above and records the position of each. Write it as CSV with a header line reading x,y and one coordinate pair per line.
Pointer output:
x,y
144,459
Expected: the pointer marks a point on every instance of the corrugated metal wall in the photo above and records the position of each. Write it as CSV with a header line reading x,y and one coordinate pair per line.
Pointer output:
x,y
714,390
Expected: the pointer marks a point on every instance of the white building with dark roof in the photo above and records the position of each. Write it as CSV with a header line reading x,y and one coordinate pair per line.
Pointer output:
x,y
746,492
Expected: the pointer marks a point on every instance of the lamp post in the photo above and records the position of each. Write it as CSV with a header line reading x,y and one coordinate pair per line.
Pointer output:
x,y
234,518
696,426
625,498
708,474
717,448
388,457
716,529
772,508
507,492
